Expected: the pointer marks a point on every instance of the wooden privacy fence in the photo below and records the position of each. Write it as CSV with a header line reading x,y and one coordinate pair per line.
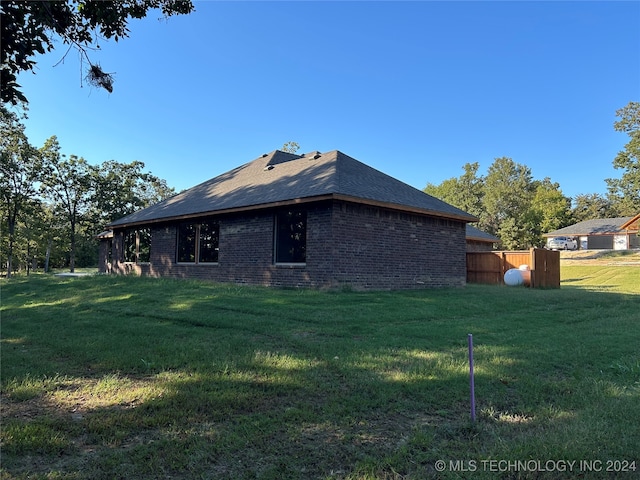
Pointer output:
x,y
490,267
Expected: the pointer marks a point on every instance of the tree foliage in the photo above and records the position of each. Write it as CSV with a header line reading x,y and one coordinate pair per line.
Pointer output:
x,y
465,192
19,168
508,189
588,206
291,147
69,184
29,28
625,191
52,207
123,188
508,201
551,209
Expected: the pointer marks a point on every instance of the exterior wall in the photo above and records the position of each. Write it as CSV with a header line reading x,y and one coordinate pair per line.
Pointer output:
x,y
347,245
103,256
382,249
583,244
620,242
245,253
117,263
104,260
478,246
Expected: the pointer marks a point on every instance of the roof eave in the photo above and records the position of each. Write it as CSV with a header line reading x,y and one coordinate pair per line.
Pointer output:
x,y
483,239
628,224
406,208
298,201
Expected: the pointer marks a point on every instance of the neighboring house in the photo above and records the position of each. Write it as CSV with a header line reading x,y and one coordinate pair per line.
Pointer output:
x,y
316,220
603,233
479,241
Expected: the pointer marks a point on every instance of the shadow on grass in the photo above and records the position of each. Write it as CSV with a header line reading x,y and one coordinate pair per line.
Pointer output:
x,y
158,379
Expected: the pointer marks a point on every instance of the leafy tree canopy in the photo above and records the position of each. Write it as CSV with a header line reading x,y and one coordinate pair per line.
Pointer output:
x,y
588,206
122,188
508,189
625,191
19,169
549,210
291,147
508,202
29,28
464,192
552,209
69,184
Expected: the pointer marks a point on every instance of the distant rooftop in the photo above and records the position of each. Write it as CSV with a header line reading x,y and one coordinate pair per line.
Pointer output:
x,y
600,226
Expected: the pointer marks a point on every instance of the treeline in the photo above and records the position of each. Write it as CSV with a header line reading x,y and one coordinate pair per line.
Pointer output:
x,y
53,205
519,209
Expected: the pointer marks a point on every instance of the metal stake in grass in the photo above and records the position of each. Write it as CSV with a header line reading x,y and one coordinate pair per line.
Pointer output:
x,y
471,380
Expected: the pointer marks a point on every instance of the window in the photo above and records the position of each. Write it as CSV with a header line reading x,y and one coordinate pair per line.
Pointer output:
x,y
187,242
208,251
291,236
130,246
198,242
109,251
137,245
144,245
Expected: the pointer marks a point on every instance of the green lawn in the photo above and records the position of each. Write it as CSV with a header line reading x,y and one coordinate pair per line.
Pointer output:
x,y
126,377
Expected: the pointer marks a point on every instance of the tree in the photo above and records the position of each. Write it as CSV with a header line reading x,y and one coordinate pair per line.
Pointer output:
x,y
123,188
42,236
32,233
508,189
465,192
69,184
625,191
291,147
589,206
29,28
549,210
19,169
554,207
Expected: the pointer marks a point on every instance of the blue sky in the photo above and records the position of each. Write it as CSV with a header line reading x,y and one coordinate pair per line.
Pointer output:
x,y
414,89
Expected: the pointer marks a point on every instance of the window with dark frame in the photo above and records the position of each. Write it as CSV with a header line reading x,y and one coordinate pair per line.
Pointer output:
x,y
186,243
144,245
208,242
109,251
291,236
129,246
137,245
198,242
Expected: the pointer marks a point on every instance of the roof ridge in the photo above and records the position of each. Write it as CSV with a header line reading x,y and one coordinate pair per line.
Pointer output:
x,y
275,178
278,156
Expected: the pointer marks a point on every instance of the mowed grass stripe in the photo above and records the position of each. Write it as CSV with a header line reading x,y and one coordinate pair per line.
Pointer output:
x,y
125,377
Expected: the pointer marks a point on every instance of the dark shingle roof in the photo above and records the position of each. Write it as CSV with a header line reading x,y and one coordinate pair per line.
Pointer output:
x,y
280,178
597,226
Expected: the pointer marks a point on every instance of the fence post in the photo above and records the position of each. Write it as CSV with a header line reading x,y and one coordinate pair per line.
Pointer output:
x,y
532,267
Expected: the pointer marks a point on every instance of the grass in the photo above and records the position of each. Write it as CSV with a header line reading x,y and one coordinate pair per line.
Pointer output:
x,y
126,377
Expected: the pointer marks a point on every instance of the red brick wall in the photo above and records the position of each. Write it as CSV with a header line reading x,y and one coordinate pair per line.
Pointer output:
x,y
347,245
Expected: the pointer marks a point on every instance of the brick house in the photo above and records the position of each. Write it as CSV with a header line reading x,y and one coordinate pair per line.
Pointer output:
x,y
319,220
